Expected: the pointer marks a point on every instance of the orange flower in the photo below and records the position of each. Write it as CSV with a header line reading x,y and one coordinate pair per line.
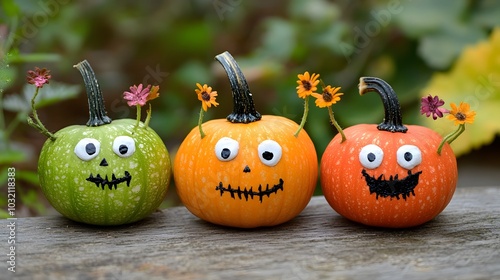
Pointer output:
x,y
206,96
153,93
328,97
461,114
307,84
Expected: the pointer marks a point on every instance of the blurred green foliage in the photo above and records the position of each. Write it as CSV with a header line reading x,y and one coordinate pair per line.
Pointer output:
x,y
173,43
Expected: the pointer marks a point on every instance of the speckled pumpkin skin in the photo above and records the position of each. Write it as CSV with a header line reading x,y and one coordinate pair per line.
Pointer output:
x,y
198,172
63,175
346,190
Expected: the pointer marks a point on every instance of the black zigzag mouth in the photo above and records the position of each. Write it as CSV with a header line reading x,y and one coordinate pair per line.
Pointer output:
x,y
393,187
113,183
250,193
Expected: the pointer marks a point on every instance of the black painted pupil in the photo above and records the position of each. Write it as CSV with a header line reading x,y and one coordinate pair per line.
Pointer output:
x,y
225,153
123,149
267,155
408,156
90,149
371,157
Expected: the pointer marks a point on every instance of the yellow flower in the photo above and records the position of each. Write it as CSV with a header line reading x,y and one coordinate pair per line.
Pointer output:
x,y
328,97
461,114
307,84
206,96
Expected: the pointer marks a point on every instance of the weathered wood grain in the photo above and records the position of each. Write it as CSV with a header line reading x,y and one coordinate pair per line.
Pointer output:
x,y
461,243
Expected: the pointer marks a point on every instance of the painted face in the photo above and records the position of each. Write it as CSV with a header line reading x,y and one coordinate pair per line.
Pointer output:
x,y
109,174
387,179
244,175
269,153
387,185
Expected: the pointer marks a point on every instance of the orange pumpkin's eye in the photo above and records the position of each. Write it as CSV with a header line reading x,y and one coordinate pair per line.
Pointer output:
x,y
409,156
124,146
87,149
226,149
371,156
269,152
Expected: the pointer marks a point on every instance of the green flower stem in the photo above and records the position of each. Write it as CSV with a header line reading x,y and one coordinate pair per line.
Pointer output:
x,y
451,137
334,122
148,117
304,117
200,120
37,123
138,116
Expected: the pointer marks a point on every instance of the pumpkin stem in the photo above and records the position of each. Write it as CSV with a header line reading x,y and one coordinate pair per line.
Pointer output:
x,y
393,121
97,111
244,109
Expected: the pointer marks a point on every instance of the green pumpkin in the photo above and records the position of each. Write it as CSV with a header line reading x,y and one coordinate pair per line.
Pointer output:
x,y
107,172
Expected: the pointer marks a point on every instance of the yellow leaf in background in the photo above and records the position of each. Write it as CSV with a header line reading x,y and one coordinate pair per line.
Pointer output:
x,y
475,79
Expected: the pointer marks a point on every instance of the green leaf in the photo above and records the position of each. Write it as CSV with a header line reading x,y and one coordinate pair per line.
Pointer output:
x,y
11,156
27,176
10,8
49,94
440,48
278,41
34,57
418,18
486,13
7,76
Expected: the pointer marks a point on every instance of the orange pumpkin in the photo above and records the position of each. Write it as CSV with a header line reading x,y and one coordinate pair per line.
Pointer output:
x,y
248,170
388,175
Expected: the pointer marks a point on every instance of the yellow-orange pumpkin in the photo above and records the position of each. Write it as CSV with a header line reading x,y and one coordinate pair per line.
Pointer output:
x,y
249,170
388,175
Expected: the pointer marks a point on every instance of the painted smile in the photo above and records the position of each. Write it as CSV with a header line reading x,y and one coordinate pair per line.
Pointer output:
x,y
394,187
103,182
250,193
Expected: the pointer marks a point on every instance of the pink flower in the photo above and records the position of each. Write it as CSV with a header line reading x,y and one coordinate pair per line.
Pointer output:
x,y
39,77
431,106
137,95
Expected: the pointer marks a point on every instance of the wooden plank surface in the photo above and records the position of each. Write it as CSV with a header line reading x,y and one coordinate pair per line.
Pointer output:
x,y
463,242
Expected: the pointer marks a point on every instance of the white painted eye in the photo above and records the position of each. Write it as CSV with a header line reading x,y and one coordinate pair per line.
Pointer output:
x,y
269,152
226,149
87,149
371,156
409,156
124,146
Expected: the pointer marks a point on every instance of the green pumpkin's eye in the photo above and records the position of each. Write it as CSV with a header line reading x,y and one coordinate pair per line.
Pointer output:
x,y
226,149
124,146
269,152
87,149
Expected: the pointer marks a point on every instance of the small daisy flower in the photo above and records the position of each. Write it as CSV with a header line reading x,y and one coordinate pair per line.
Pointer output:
x,y
461,114
307,84
39,77
432,106
206,96
328,97
138,95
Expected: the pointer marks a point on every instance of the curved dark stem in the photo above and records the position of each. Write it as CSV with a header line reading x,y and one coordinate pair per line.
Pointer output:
x,y
393,121
244,109
97,111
